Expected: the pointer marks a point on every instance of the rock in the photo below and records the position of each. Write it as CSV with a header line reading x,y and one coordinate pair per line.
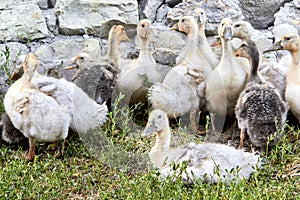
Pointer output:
x,y
282,29
161,13
95,17
260,13
167,45
51,20
150,9
22,22
287,14
216,10
297,3
11,50
173,3
43,4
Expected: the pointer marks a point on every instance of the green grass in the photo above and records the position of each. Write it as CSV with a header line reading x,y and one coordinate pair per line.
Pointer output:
x,y
89,172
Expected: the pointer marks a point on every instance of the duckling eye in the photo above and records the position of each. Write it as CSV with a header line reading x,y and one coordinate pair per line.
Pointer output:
x,y
182,20
159,116
288,38
143,25
81,57
237,26
243,45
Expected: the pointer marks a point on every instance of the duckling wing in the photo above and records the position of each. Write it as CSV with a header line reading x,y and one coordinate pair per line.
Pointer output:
x,y
210,162
43,118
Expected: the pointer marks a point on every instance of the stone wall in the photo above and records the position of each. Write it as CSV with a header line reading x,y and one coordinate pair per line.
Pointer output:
x,y
57,30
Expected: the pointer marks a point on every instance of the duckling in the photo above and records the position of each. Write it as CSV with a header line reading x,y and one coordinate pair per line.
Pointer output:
x,y
225,83
205,49
179,93
86,113
96,79
38,116
260,110
136,78
203,161
10,134
272,72
291,43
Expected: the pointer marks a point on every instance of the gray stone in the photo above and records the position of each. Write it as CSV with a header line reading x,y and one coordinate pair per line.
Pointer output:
x,y
14,49
95,17
297,3
151,9
22,23
216,10
43,4
287,14
173,2
162,12
260,13
282,29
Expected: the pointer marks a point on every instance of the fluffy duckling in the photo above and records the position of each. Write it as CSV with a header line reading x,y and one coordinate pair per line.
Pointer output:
x,y
96,79
272,72
204,161
225,83
86,113
38,116
136,78
205,49
116,35
10,134
179,94
291,43
260,110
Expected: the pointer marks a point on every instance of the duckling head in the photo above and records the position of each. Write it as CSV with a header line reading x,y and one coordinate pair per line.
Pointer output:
x,y
225,30
187,25
246,49
290,42
79,61
29,66
200,16
242,30
118,32
18,71
144,29
157,123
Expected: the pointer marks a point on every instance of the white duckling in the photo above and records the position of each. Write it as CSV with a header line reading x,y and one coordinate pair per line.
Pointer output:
x,y
272,71
38,116
179,94
225,83
291,43
260,110
136,78
86,113
203,161
205,49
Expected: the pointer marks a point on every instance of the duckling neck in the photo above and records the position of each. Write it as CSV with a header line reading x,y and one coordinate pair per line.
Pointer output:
x,y
112,52
227,50
254,62
296,57
159,151
28,76
145,52
201,34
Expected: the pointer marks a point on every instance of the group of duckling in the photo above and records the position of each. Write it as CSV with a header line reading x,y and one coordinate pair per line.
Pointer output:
x,y
258,93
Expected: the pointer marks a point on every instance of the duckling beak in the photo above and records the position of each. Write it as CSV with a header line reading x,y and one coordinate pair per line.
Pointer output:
x,y
71,67
13,76
228,33
174,27
275,47
150,128
126,38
